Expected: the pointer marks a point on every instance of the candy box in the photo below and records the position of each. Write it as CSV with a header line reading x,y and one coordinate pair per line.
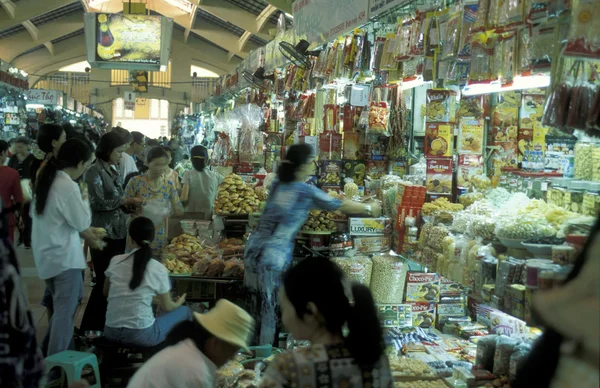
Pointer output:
x,y
422,287
370,226
439,176
441,106
470,136
468,166
439,140
423,314
354,169
376,168
330,173
504,324
372,244
395,315
449,287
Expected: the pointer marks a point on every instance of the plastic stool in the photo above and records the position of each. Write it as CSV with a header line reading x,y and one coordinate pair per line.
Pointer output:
x,y
73,363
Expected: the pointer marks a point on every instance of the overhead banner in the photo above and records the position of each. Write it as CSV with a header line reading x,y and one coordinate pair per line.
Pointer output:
x,y
129,100
323,20
41,96
377,7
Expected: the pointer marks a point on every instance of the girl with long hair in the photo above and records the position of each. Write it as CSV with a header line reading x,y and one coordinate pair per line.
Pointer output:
x,y
200,184
317,303
160,197
269,247
132,281
60,211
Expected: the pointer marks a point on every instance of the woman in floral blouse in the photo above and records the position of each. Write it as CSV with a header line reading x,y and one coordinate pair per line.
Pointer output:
x,y
160,198
108,204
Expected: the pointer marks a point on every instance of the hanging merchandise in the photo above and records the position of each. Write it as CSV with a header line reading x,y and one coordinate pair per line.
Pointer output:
x,y
542,47
480,22
451,35
584,30
379,112
481,59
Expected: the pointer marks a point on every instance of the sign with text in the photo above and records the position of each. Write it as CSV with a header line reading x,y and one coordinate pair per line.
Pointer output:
x,y
323,20
129,101
377,7
41,96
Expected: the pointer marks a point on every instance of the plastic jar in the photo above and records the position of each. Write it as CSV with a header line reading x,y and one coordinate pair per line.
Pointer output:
x,y
591,199
573,199
556,192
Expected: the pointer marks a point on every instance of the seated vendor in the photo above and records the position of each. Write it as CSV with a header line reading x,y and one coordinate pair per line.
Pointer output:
x,y
132,282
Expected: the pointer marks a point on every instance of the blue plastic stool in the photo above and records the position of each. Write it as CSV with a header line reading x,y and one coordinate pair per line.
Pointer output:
x,y
73,363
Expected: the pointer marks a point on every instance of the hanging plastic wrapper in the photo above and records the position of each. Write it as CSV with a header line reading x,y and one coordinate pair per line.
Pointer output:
x,y
450,37
464,42
358,268
250,139
584,30
379,112
222,154
388,279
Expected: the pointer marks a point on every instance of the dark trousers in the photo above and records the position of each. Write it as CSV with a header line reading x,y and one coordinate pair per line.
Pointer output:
x,y
95,312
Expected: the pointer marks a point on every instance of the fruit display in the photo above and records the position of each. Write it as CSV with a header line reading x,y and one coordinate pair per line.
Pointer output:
x,y
261,193
319,221
235,197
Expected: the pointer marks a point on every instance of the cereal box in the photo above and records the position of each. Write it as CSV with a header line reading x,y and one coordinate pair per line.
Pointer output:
x,y
470,136
423,314
439,176
505,118
439,140
468,166
395,315
441,106
449,287
422,287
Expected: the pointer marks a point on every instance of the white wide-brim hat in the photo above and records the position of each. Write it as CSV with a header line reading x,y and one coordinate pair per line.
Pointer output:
x,y
228,322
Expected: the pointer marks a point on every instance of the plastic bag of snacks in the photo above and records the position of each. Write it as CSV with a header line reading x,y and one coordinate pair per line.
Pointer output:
x,y
388,279
486,348
358,268
482,226
519,227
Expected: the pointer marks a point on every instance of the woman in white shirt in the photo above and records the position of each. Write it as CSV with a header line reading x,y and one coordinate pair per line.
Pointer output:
x,y
200,185
132,282
60,211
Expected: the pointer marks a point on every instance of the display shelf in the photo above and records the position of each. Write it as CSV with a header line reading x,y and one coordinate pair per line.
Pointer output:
x,y
206,279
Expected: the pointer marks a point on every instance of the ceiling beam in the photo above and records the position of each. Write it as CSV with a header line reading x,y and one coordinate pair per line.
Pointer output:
x,y
86,6
284,5
20,42
28,9
243,40
263,18
234,15
50,47
9,7
191,24
29,26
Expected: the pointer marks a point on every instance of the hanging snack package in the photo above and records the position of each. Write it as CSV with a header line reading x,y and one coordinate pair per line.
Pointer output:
x,y
379,115
580,105
481,59
507,70
464,41
524,52
432,40
593,122
511,13
493,14
451,35
417,42
542,47
584,30
403,42
330,145
480,21
557,105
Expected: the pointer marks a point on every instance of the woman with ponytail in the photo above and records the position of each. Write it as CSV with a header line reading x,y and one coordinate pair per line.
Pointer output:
x,y
319,304
132,282
60,211
269,248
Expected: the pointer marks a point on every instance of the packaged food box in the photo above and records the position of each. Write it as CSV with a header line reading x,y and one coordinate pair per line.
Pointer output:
x,y
351,146
354,169
441,106
439,140
470,136
370,226
422,287
330,173
439,176
376,169
504,324
423,314
468,167
449,287
330,146
395,315
372,244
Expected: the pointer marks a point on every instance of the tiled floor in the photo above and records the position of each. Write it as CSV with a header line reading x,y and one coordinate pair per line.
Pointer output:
x,y
34,290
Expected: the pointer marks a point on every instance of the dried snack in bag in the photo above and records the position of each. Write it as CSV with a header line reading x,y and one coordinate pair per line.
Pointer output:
x,y
584,30
580,106
451,36
388,279
201,266
215,268
379,114
480,22
357,269
557,106
504,349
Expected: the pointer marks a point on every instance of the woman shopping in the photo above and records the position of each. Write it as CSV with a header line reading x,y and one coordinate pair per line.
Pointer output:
x,y
317,301
108,204
60,211
269,248
160,198
132,281
200,185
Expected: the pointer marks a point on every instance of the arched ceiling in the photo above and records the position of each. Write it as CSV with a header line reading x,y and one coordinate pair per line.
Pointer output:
x,y
41,36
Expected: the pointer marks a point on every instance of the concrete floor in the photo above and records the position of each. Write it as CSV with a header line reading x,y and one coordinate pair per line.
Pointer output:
x,y
34,290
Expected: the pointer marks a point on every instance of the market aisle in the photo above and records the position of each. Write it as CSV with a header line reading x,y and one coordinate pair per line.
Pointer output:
x,y
34,290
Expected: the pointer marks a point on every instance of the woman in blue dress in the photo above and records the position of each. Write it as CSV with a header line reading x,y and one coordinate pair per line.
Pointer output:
x,y
269,247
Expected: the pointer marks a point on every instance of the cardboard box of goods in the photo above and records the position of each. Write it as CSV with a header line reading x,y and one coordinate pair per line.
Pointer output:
x,y
422,287
370,226
395,315
423,314
372,244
